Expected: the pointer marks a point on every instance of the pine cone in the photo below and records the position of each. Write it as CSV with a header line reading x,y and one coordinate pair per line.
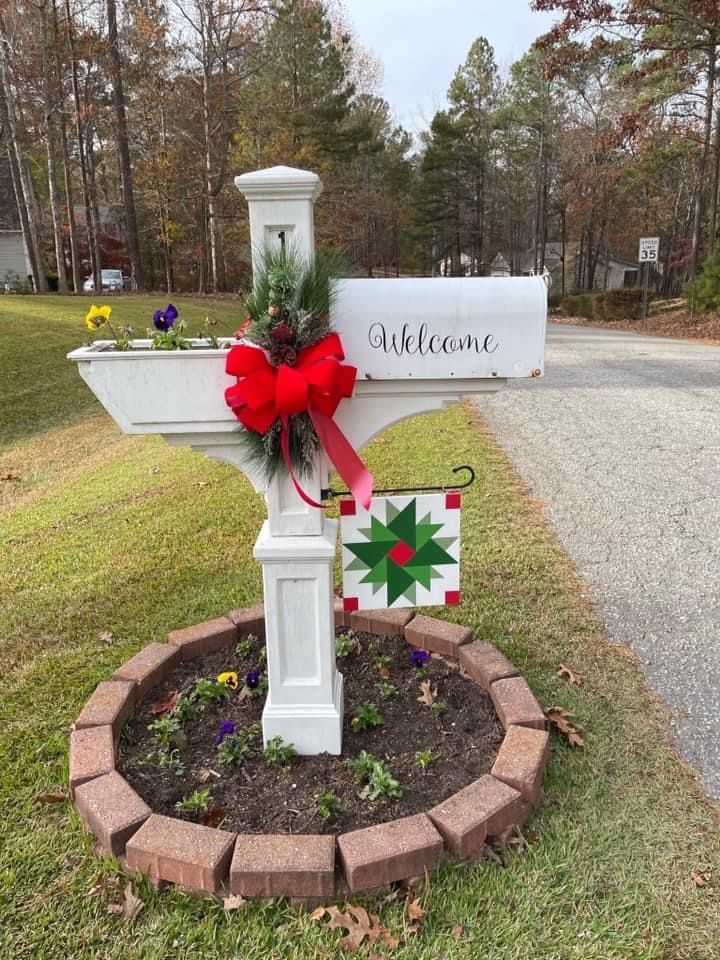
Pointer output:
x,y
282,332
283,353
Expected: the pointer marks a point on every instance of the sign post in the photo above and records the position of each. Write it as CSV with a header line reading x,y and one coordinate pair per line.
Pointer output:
x,y
647,254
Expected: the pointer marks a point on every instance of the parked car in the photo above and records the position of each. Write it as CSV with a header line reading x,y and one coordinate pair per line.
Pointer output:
x,y
111,280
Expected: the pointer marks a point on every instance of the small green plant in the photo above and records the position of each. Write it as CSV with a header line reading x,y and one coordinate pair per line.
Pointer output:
x,y
170,760
381,784
367,716
382,663
232,751
376,776
210,691
209,333
329,805
424,758
185,709
244,647
363,765
253,732
195,803
438,707
345,644
277,751
165,730
387,690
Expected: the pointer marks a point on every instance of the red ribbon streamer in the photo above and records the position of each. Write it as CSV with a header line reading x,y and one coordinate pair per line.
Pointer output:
x,y
314,385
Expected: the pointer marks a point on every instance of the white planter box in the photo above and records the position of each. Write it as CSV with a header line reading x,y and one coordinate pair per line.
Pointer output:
x,y
180,394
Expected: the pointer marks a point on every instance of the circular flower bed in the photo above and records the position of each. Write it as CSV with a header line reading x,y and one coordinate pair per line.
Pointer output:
x,y
426,768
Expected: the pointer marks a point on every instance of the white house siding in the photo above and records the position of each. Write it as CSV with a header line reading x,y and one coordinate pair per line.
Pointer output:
x,y
12,254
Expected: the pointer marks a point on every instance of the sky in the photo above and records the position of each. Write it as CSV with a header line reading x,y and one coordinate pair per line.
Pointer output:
x,y
421,43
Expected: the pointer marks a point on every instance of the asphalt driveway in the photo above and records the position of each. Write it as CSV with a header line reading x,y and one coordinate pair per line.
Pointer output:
x,y
621,440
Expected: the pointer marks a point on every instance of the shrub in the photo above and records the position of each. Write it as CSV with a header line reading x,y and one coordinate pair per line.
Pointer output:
x,y
624,304
704,293
578,305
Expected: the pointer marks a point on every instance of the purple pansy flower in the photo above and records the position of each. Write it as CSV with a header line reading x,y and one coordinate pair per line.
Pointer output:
x,y
419,658
164,319
227,727
252,680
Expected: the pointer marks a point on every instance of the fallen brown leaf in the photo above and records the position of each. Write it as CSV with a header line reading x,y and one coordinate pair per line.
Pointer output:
x,y
213,817
428,693
106,636
567,673
358,924
10,476
105,886
167,705
55,797
415,915
559,718
701,878
458,931
234,903
130,906
490,854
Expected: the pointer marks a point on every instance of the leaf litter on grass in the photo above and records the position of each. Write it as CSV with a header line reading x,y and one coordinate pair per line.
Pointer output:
x,y
359,926
560,719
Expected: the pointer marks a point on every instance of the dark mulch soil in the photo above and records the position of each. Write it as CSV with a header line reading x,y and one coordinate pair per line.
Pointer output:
x,y
261,798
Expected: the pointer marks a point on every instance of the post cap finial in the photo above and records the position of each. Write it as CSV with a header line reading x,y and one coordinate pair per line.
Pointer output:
x,y
276,182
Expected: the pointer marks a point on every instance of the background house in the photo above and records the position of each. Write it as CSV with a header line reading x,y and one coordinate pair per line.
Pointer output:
x,y
611,273
14,263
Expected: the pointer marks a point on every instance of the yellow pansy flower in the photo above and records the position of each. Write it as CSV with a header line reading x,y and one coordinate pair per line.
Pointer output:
x,y
229,678
96,317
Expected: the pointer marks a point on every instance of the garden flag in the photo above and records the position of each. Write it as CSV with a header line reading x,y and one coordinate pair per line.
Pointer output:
x,y
402,552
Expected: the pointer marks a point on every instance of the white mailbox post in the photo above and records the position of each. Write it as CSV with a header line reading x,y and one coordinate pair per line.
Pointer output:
x,y
418,345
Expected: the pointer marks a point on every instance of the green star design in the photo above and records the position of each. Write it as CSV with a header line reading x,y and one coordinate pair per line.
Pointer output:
x,y
401,552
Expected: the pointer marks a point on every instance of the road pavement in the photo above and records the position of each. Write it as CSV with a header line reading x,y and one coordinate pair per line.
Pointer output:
x,y
621,440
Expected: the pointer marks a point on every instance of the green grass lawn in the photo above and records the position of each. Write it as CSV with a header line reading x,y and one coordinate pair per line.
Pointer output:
x,y
104,532
37,332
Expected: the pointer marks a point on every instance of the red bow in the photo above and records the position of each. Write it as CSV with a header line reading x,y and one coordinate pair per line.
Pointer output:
x,y
315,384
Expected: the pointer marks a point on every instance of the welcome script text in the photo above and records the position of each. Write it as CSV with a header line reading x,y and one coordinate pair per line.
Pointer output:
x,y
423,342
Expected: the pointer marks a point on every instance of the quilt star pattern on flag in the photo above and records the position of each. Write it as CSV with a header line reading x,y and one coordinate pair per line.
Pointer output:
x,y
402,552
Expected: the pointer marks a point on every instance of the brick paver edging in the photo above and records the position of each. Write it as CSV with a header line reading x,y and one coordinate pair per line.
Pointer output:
x,y
216,861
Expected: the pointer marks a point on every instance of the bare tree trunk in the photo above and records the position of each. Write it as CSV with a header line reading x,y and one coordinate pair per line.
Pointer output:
x,y
65,153
701,187
126,183
712,227
17,189
22,184
211,222
93,252
93,204
49,108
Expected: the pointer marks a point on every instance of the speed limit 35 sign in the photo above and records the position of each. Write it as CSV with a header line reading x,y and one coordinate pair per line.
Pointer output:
x,y
649,247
